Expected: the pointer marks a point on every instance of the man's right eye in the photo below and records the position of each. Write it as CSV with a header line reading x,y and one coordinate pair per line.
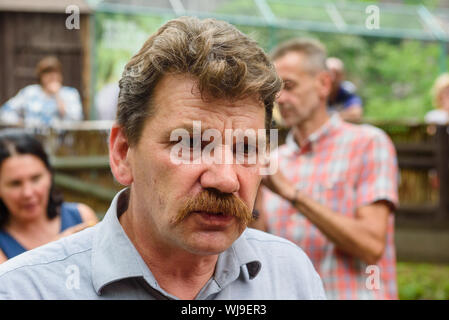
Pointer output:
x,y
190,143
288,85
14,183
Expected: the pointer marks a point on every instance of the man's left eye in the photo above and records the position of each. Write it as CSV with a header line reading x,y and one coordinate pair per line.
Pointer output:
x,y
245,148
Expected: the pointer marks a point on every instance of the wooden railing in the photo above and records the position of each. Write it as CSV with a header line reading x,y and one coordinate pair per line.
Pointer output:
x,y
423,158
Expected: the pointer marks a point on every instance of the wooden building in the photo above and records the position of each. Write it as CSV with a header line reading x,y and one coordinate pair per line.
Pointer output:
x,y
31,30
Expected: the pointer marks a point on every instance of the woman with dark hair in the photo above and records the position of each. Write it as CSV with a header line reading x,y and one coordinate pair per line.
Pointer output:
x,y
31,212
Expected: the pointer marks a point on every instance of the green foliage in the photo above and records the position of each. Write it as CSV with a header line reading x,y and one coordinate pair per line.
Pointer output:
x,y
242,7
119,37
421,281
393,77
428,3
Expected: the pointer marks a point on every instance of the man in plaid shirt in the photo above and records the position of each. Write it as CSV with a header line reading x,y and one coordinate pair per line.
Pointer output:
x,y
336,188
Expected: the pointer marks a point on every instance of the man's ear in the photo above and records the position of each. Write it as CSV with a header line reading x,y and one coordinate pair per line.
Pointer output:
x,y
324,84
118,156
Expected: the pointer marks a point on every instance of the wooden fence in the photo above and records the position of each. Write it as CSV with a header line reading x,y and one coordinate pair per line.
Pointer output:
x,y
29,31
423,158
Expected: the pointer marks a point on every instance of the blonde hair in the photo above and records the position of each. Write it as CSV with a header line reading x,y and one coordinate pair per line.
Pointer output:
x,y
440,84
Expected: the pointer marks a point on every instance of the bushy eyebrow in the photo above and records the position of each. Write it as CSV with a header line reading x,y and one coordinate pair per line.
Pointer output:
x,y
288,82
188,127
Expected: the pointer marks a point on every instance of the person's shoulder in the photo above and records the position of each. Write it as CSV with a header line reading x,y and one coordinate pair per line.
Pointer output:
x,y
32,89
70,208
87,213
74,206
256,236
286,264
69,205
47,258
373,133
69,91
269,245
365,132
44,272
437,116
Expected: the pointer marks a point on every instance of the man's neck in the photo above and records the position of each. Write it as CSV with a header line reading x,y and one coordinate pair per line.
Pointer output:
x,y
180,275
302,131
177,271
334,92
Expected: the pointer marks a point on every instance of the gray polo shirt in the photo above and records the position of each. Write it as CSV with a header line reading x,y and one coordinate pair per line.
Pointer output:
x,y
102,263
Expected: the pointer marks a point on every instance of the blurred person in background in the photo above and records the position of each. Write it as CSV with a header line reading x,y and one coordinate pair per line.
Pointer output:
x,y
336,188
342,97
32,213
440,90
41,104
106,99
438,116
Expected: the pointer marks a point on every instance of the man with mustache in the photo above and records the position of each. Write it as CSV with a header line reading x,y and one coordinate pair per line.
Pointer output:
x,y
179,230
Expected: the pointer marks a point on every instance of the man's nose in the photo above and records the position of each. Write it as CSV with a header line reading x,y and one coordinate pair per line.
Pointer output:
x,y
221,176
281,98
27,190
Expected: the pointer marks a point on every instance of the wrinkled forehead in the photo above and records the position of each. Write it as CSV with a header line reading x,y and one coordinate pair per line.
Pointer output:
x,y
177,101
293,62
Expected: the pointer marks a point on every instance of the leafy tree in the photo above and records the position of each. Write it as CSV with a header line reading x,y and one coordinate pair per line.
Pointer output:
x,y
394,77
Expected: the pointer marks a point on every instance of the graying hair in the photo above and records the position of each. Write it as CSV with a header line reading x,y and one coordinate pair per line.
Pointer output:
x,y
314,51
224,62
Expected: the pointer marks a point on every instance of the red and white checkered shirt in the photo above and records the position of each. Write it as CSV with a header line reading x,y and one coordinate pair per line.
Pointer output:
x,y
344,167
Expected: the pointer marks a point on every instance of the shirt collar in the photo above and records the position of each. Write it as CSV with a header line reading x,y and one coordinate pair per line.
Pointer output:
x,y
114,257
333,123
231,261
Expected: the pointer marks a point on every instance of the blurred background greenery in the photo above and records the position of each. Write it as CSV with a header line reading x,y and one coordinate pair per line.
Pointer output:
x,y
394,76
423,281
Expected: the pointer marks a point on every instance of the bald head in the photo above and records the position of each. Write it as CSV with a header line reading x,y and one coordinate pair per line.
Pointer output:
x,y
333,63
336,68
